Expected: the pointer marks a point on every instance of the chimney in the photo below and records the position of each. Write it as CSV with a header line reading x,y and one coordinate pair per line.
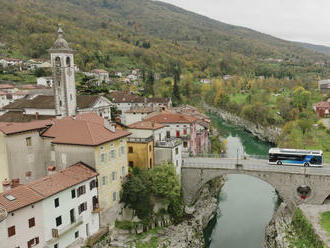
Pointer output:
x,y
51,170
28,175
6,185
37,115
15,183
113,127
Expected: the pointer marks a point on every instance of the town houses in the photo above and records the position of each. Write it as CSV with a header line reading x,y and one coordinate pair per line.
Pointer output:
x,y
64,157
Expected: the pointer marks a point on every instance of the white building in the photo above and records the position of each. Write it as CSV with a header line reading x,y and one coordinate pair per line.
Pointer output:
x,y
135,114
101,75
45,81
55,211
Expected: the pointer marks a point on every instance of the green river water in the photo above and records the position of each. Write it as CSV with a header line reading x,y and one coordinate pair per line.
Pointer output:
x,y
246,203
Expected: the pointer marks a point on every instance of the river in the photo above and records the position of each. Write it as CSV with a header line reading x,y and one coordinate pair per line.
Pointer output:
x,y
246,204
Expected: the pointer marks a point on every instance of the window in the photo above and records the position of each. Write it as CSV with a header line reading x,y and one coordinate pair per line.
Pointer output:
x,y
123,171
32,222
185,144
177,163
122,150
81,190
56,202
112,154
28,141
92,184
150,148
131,164
76,234
56,246
114,176
168,134
185,131
177,133
104,180
33,242
177,150
130,149
60,103
82,207
102,158
72,217
11,231
73,193
114,196
68,61
58,221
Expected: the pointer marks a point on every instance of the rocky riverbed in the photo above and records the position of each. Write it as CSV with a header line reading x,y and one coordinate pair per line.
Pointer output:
x,y
187,234
268,134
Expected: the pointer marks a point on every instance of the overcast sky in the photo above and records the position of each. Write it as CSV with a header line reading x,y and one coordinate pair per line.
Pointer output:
x,y
297,20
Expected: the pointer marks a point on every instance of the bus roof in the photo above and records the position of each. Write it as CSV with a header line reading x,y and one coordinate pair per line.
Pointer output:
x,y
294,151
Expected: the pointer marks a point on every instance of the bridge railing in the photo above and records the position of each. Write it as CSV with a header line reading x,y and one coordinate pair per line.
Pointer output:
x,y
240,156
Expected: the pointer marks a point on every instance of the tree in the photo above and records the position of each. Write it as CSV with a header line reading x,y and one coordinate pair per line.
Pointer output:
x,y
149,84
176,96
301,98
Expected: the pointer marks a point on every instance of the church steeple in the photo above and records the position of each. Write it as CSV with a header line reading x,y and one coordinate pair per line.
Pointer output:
x,y
62,60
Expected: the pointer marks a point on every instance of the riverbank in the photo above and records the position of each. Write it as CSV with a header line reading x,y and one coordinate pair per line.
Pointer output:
x,y
268,134
187,234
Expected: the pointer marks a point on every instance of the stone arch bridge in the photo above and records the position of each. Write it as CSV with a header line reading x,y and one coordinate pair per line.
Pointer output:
x,y
289,181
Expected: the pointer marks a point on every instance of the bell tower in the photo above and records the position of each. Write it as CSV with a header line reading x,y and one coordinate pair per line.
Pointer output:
x,y
62,61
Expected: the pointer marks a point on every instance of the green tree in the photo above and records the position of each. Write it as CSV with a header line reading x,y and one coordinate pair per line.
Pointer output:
x,y
301,98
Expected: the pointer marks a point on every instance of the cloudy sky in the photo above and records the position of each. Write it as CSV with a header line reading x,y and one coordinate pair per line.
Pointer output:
x,y
297,20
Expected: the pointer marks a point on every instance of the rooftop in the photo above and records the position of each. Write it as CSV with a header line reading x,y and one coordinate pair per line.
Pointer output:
x,y
141,110
48,102
84,130
169,117
42,188
12,128
20,116
147,125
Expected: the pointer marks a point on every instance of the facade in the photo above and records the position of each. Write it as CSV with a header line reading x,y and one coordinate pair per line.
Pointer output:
x,y
179,126
324,86
169,151
63,75
101,75
141,152
45,81
323,109
55,211
44,105
135,114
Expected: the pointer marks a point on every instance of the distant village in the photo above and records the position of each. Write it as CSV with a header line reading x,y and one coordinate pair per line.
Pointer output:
x,y
64,159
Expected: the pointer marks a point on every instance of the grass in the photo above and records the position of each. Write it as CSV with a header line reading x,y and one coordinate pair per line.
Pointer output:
x,y
23,77
325,221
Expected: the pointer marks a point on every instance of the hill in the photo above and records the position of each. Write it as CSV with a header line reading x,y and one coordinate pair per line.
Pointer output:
x,y
123,34
316,48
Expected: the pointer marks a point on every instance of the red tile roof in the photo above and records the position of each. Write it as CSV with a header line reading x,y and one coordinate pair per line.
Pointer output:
x,y
81,132
148,125
12,128
168,117
6,86
73,175
323,105
47,186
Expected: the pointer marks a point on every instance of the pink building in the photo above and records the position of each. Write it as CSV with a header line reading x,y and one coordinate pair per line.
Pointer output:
x,y
187,127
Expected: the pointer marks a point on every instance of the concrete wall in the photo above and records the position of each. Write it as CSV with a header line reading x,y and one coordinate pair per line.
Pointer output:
x,y
4,172
32,111
23,158
130,118
66,203
169,154
66,155
20,219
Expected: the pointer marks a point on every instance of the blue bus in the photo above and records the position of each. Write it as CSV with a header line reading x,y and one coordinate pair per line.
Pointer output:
x,y
281,156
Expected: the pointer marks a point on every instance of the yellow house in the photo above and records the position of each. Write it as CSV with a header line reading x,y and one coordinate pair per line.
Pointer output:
x,y
81,139
141,152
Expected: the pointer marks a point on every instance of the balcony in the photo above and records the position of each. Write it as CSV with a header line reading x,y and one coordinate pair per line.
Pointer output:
x,y
170,143
96,209
59,232
140,140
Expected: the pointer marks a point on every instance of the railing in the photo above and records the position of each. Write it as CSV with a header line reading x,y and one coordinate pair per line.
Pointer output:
x,y
140,140
168,143
96,208
56,232
220,155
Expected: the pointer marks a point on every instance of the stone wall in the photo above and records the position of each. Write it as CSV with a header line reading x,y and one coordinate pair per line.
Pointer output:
x,y
269,134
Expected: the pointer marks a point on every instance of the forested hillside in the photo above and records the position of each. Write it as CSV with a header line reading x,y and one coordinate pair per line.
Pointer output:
x,y
120,34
